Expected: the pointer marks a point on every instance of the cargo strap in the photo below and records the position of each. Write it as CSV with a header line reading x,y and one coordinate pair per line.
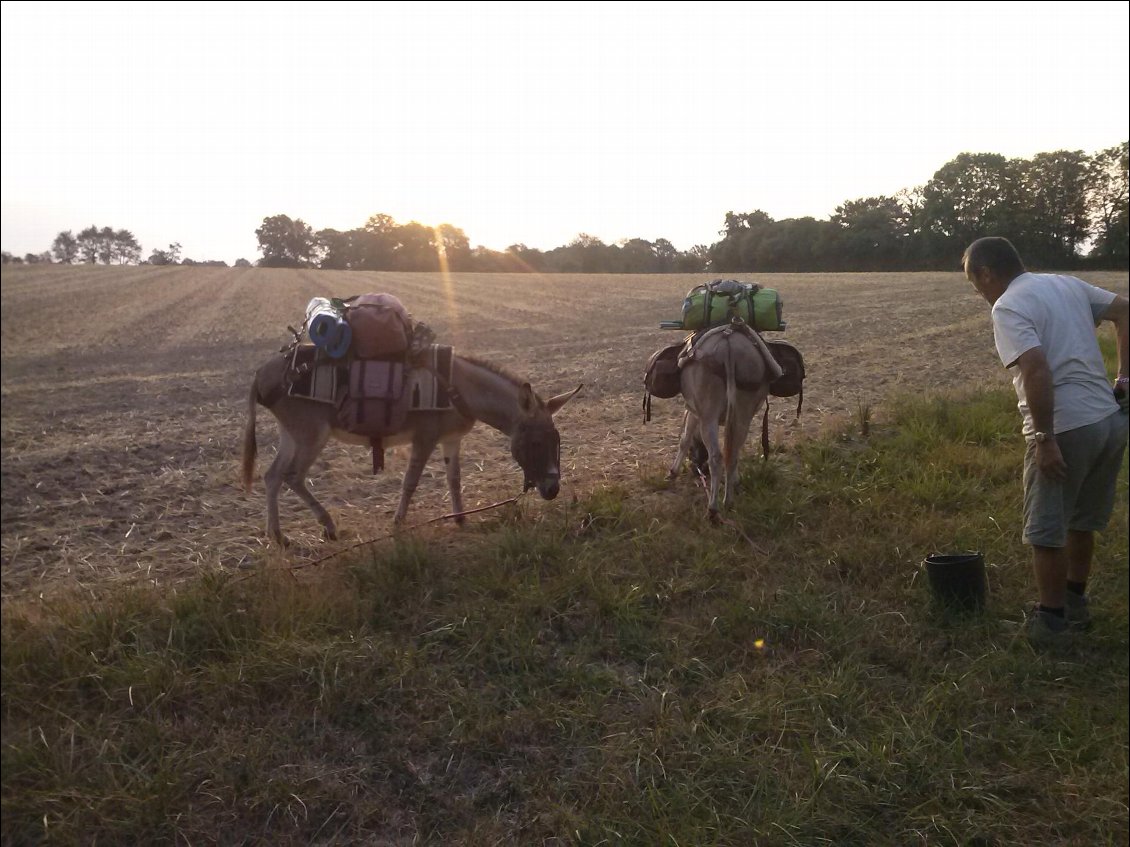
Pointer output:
x,y
765,433
443,377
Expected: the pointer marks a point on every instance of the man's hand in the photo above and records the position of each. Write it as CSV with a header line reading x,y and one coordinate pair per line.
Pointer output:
x,y
1049,460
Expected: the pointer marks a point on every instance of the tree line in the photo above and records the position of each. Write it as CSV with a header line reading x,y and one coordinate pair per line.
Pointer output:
x,y
107,246
94,244
1064,209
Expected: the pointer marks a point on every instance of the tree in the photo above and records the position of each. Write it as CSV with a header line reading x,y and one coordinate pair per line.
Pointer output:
x,y
1054,206
124,248
737,223
285,242
241,263
874,233
415,248
65,247
339,250
106,241
166,257
584,254
741,234
453,248
973,195
695,260
637,256
665,254
485,260
1108,180
376,243
88,241
527,259
795,245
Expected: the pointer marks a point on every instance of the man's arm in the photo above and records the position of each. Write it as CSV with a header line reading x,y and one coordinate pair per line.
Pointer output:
x,y
1118,313
1039,390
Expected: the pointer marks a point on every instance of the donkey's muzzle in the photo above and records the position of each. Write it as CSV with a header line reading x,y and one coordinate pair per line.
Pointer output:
x,y
540,460
548,488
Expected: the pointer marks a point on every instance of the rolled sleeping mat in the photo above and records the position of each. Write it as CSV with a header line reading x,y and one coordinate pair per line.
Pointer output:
x,y
341,340
324,328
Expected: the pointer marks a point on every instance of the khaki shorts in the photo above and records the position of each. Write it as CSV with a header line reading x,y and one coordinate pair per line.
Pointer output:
x,y
1085,500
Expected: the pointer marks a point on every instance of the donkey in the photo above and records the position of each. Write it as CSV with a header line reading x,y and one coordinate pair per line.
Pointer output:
x,y
724,379
479,390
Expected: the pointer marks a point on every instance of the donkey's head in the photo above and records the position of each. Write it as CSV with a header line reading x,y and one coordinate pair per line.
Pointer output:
x,y
535,443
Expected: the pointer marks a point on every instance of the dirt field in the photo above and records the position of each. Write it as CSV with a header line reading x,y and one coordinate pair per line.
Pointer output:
x,y
125,394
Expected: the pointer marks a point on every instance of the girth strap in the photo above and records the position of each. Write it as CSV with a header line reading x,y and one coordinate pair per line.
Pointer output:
x,y
453,393
378,453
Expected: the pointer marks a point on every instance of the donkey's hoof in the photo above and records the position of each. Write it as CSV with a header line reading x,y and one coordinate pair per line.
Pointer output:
x,y
329,533
672,474
713,516
281,541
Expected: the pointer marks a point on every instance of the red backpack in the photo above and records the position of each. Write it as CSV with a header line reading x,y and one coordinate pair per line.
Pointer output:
x,y
380,324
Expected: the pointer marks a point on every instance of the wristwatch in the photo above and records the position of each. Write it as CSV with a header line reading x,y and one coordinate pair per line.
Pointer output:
x,y
1043,437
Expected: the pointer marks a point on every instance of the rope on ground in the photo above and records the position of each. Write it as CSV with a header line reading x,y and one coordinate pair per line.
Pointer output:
x,y
394,533
761,551
704,481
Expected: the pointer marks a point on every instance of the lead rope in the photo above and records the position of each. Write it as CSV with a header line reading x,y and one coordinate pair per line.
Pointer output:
x,y
389,535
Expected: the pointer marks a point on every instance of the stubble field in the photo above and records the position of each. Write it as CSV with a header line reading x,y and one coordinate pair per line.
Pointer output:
x,y
125,394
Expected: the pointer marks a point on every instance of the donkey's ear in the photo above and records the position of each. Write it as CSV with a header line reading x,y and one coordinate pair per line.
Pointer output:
x,y
527,400
553,404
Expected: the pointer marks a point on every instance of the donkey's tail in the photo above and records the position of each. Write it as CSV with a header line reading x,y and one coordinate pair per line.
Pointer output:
x,y
250,447
731,403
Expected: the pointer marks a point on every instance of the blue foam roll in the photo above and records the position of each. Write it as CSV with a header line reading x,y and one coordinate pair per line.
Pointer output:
x,y
340,345
324,328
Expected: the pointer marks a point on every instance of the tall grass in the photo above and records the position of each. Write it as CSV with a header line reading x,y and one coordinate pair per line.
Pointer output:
x,y
612,670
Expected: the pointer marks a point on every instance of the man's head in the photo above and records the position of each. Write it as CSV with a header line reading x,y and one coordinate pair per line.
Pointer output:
x,y
991,264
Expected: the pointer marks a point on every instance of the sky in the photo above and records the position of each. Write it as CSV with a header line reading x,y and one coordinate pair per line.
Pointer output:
x,y
524,123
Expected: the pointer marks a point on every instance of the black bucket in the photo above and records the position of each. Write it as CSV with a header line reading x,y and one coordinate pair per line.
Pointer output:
x,y
957,580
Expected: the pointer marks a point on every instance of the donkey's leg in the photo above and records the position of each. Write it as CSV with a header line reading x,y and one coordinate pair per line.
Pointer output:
x,y
737,432
422,446
273,480
290,466
297,484
708,432
685,439
450,449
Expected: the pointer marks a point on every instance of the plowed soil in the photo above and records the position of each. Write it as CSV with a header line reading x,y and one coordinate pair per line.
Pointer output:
x,y
125,394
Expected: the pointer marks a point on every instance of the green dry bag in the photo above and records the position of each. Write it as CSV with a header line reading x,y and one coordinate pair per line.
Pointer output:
x,y
716,303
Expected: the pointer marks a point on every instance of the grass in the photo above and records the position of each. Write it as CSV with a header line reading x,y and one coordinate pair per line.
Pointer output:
x,y
612,670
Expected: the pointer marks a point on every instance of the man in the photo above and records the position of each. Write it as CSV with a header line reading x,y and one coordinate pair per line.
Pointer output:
x,y
1075,426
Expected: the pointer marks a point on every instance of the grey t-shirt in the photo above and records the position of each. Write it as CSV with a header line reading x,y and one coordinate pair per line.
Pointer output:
x,y
1059,314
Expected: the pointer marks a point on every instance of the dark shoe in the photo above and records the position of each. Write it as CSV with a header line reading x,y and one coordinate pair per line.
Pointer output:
x,y
1076,611
1047,630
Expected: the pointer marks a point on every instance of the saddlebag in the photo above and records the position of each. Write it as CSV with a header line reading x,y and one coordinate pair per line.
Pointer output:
x,y
374,404
313,375
661,377
791,382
